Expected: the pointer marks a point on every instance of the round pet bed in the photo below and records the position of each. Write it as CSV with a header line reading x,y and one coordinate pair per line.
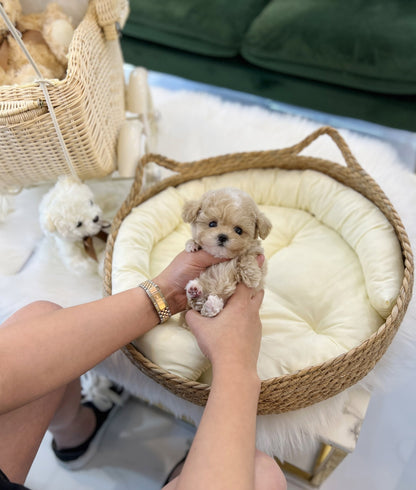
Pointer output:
x,y
339,280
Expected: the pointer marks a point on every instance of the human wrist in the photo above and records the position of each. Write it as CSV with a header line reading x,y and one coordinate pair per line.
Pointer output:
x,y
170,293
236,374
157,299
146,308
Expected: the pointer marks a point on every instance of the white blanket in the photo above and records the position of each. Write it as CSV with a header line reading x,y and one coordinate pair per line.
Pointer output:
x,y
195,126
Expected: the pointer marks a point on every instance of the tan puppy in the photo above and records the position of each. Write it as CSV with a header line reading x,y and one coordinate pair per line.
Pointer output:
x,y
225,223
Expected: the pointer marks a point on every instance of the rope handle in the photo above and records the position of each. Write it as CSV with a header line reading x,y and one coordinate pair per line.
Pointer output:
x,y
294,150
160,160
336,138
111,16
179,167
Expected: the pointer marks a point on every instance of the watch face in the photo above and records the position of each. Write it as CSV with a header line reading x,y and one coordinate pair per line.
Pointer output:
x,y
160,303
157,299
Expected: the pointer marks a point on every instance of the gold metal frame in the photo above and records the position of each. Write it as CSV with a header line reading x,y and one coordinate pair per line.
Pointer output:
x,y
328,459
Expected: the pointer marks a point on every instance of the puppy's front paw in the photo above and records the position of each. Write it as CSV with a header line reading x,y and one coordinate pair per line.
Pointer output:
x,y
193,289
192,246
212,306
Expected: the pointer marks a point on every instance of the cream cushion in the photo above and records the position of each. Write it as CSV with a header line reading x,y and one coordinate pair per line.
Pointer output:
x,y
335,268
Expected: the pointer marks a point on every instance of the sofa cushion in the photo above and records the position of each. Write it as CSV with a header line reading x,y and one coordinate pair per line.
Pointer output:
x,y
365,44
214,28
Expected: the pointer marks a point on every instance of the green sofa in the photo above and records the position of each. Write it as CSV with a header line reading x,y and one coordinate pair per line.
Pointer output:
x,y
354,58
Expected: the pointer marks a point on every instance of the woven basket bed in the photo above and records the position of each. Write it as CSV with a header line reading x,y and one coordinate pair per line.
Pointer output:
x,y
88,103
315,383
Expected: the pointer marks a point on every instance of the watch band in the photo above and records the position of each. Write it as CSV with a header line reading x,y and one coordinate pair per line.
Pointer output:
x,y
158,300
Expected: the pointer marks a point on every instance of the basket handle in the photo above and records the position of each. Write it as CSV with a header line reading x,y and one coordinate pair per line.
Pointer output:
x,y
163,161
336,138
137,186
349,158
112,15
184,168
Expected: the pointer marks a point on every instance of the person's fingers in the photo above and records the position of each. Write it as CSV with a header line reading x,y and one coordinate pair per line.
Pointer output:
x,y
194,319
205,259
260,259
242,293
258,298
190,316
246,296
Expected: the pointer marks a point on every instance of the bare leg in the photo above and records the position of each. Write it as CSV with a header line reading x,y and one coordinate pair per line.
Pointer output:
x,y
22,430
267,474
72,423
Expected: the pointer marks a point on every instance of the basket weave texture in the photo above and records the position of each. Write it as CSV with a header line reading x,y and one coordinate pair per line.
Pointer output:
x,y
88,103
312,384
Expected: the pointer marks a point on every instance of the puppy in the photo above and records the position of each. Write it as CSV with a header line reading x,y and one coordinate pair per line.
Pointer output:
x,y
225,223
69,216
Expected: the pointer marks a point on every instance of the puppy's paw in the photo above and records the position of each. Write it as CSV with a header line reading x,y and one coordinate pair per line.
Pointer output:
x,y
212,306
193,290
192,246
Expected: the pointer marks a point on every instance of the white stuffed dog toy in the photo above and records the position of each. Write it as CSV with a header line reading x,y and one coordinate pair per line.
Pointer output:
x,y
70,217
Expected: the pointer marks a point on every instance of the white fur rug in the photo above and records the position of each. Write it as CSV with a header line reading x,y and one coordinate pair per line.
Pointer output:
x,y
194,126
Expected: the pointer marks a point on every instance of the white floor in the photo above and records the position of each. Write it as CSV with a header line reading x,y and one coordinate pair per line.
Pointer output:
x,y
143,443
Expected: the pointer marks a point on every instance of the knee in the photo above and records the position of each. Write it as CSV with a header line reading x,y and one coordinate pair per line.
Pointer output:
x,y
268,475
32,310
38,308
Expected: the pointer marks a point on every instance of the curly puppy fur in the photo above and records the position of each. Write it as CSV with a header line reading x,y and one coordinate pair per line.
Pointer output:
x,y
68,214
228,224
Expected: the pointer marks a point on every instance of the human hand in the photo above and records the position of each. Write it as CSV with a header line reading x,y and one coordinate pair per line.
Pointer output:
x,y
178,273
231,340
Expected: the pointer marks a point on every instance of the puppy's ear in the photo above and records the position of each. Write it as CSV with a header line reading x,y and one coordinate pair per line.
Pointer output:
x,y
190,211
263,225
48,224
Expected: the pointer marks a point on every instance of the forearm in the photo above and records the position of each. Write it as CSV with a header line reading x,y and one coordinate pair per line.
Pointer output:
x,y
39,355
222,454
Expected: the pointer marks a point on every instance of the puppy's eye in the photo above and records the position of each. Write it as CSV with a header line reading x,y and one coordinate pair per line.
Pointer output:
x,y
91,202
238,230
79,224
212,224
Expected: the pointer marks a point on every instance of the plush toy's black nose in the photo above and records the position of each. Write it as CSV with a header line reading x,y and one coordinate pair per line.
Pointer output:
x,y
222,238
95,220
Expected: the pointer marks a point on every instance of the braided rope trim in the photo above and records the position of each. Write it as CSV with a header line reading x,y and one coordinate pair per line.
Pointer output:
x,y
315,383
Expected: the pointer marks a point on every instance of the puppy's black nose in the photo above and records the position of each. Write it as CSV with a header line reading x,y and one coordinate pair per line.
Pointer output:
x,y
95,220
222,238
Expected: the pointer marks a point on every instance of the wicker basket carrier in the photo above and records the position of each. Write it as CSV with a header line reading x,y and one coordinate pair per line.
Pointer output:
x,y
88,104
312,384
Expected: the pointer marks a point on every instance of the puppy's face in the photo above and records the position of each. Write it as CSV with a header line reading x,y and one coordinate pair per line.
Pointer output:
x,y
82,220
69,211
226,222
